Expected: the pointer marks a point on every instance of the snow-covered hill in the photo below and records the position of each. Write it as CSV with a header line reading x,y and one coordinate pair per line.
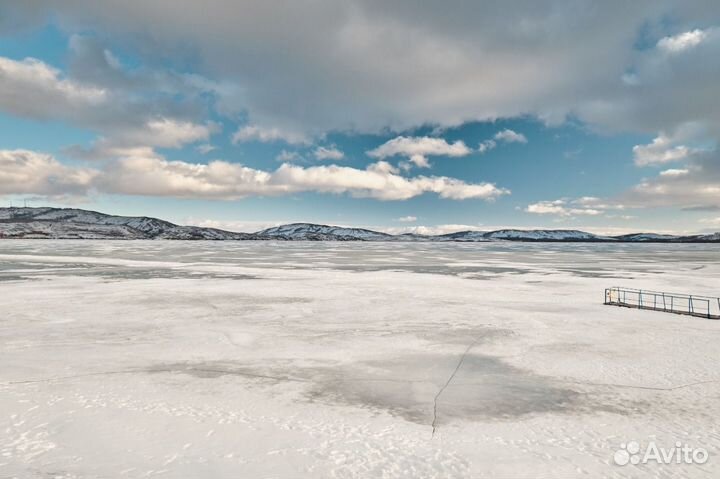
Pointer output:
x,y
313,232
73,223
647,237
712,237
463,236
544,235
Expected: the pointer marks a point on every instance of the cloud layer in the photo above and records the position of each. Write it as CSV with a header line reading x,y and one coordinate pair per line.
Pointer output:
x,y
366,65
417,149
23,171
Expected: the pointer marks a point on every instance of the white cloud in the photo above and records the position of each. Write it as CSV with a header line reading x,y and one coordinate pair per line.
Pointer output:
x,y
661,150
674,172
28,172
381,181
565,208
696,189
286,156
34,89
682,41
368,66
332,153
268,135
418,148
407,219
205,148
510,136
486,146
365,65
127,122
166,133
144,172
505,136
141,140
710,221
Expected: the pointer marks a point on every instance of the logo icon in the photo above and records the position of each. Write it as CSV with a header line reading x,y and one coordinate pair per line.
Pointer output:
x,y
632,453
627,454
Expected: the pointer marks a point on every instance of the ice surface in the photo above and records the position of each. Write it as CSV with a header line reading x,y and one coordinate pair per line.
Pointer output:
x,y
313,360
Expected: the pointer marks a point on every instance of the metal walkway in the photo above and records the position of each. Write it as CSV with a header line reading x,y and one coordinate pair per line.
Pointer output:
x,y
689,304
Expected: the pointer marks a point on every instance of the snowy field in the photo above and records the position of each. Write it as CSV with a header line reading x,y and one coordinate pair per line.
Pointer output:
x,y
343,360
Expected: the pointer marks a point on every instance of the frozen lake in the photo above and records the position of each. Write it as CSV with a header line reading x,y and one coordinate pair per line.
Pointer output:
x,y
314,360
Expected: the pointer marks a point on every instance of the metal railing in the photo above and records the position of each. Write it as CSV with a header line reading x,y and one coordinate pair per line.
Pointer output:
x,y
690,304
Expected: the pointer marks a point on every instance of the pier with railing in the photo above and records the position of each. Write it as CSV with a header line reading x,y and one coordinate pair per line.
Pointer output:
x,y
688,304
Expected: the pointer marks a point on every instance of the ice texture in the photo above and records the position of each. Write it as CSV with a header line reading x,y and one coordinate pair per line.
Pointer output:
x,y
350,360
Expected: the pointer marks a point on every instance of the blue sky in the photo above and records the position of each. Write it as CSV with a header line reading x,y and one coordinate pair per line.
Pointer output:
x,y
399,118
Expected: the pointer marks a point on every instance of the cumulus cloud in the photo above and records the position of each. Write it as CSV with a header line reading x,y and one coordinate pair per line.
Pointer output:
x,y
36,90
486,146
696,187
510,136
682,41
567,208
381,181
661,150
331,153
663,88
286,156
147,173
504,136
125,121
407,219
169,133
675,172
268,135
155,132
366,66
417,149
29,172
141,140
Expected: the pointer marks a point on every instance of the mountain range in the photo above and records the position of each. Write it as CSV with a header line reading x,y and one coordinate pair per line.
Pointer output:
x,y
72,223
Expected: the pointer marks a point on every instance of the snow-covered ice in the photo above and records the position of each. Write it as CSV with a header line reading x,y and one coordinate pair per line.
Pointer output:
x,y
343,360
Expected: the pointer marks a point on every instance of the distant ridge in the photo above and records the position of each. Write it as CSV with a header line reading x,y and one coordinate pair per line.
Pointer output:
x,y
73,223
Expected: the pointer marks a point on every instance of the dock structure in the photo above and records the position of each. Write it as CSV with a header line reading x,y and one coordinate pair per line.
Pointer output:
x,y
688,304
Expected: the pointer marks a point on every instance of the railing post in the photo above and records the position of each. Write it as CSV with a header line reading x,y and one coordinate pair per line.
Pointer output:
x,y
690,304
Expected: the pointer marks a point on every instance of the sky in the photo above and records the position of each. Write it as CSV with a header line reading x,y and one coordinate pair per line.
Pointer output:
x,y
403,116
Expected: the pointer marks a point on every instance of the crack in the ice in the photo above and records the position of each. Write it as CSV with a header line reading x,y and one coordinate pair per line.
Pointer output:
x,y
447,383
163,370
647,388
201,370
62,378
